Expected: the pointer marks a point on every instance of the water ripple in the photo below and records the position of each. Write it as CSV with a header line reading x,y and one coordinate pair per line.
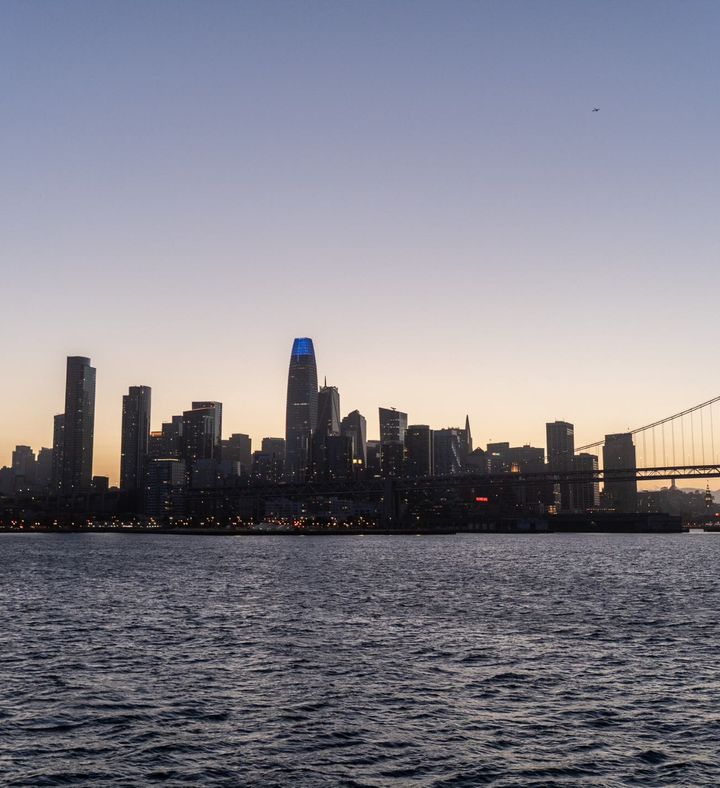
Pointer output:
x,y
369,661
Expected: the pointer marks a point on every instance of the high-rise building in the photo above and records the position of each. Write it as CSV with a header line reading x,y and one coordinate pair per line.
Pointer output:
x,y
302,407
328,418
44,469
328,426
354,426
164,488
560,453
419,451
269,464
216,410
449,454
78,433
338,457
393,424
619,455
273,446
201,432
57,450
238,449
23,468
135,437
167,443
392,460
586,494
374,458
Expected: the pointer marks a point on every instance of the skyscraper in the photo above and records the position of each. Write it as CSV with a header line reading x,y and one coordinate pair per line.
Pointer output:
x,y
201,431
238,449
328,426
448,451
619,454
135,437
393,424
560,452
586,494
354,426
302,407
328,409
57,450
78,433
419,451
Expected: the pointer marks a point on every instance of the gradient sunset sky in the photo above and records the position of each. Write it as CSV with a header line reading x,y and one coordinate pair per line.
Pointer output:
x,y
421,187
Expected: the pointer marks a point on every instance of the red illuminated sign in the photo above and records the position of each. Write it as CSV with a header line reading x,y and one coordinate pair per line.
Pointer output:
x,y
481,499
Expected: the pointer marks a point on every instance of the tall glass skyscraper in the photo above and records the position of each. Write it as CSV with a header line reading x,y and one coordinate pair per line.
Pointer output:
x,y
135,437
78,434
302,407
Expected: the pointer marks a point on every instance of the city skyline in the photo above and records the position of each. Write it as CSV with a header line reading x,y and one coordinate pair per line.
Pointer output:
x,y
110,465
448,218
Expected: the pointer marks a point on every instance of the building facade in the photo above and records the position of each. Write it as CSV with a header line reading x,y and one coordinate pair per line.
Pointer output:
x,y
135,438
79,425
301,410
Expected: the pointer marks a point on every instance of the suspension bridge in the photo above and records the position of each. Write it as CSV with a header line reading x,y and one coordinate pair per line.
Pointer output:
x,y
685,445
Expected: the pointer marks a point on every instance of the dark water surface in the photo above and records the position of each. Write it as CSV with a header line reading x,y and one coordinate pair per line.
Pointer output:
x,y
443,661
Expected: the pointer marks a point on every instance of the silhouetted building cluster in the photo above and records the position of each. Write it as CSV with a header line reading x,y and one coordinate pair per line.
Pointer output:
x,y
159,469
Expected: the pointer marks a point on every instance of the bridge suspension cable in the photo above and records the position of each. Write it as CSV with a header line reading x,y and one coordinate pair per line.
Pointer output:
x,y
664,421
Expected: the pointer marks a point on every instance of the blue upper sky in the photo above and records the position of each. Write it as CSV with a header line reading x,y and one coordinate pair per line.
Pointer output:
x,y
421,187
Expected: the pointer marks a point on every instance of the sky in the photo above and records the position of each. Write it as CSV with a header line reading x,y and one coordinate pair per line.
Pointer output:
x,y
421,187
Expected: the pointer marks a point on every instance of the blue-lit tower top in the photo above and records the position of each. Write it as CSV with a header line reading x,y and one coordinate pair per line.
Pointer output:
x,y
303,346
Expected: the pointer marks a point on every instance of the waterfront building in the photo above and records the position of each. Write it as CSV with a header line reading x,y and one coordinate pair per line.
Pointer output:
x,y
79,425
418,451
619,454
164,488
301,408
135,437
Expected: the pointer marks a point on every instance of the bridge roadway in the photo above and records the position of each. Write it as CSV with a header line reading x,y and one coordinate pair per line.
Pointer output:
x,y
344,487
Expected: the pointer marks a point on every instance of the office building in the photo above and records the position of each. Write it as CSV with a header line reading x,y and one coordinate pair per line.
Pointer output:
x,y
301,407
619,455
328,426
164,488
238,449
393,424
201,432
57,450
44,469
418,451
79,426
354,426
560,453
586,493
448,451
135,437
